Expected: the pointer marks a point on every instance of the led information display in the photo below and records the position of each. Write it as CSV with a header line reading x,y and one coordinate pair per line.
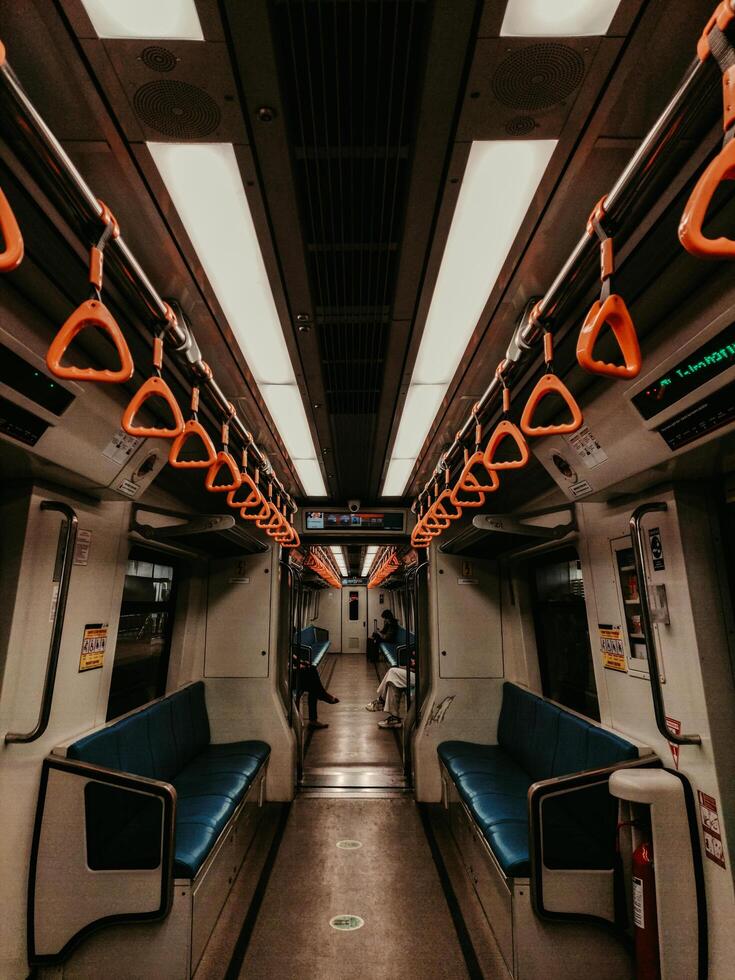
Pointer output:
x,y
321,520
707,361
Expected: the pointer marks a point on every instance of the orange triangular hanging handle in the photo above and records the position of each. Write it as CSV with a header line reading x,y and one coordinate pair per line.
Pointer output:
x,y
691,235
247,484
154,387
614,312
549,384
473,484
440,507
91,313
12,254
223,461
192,429
434,520
505,429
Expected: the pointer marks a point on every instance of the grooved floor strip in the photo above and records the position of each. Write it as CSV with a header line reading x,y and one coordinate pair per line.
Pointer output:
x,y
391,882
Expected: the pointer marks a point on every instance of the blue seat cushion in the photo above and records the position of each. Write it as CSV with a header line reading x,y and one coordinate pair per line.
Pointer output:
x,y
538,740
509,844
389,652
194,841
318,652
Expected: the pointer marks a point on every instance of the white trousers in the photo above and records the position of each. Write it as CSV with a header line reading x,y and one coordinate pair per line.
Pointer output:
x,y
391,688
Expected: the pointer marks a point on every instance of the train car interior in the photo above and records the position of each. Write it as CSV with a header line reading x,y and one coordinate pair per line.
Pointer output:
x,y
367,489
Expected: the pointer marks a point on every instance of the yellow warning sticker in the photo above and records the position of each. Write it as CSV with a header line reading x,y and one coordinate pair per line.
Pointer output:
x,y
94,643
611,647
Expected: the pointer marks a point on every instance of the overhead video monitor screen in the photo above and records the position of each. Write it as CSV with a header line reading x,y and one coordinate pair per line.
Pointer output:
x,y
321,520
707,361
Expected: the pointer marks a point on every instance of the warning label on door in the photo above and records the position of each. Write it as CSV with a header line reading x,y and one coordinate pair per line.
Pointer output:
x,y
611,647
711,828
94,643
674,726
657,549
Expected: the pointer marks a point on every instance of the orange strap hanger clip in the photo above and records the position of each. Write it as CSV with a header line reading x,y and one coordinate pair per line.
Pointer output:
x,y
609,309
505,429
154,388
93,313
547,385
714,41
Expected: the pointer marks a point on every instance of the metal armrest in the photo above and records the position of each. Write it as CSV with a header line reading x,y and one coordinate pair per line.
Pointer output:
x,y
59,863
553,893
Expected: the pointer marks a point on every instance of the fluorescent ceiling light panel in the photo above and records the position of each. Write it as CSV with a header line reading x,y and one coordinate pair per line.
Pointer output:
x,y
311,477
204,182
397,476
563,18
421,405
171,19
206,188
498,185
285,405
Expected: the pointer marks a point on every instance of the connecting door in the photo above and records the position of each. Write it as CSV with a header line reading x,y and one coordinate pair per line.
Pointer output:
x,y
354,619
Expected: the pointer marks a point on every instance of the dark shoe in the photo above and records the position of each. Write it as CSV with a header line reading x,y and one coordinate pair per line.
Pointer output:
x,y
318,724
330,699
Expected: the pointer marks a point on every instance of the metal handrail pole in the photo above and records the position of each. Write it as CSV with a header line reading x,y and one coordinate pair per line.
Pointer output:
x,y
67,562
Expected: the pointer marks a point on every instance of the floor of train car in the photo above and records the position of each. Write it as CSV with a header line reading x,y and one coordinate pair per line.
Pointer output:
x,y
353,753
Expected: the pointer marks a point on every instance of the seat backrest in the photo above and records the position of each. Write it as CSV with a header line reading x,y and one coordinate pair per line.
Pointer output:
x,y
308,635
157,741
548,741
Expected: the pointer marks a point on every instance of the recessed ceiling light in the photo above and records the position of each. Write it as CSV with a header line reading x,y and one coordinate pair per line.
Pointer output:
x,y
175,20
568,18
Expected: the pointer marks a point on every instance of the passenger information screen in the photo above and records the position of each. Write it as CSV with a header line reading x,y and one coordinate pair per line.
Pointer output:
x,y
707,361
325,520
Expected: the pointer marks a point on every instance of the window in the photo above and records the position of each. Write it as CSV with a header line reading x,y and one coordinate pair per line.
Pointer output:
x,y
562,636
144,635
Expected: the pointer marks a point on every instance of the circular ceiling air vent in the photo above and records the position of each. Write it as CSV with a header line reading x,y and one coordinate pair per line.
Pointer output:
x,y
538,77
177,109
520,126
158,58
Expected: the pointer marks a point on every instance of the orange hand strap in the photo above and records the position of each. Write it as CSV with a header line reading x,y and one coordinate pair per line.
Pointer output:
x,y
614,313
154,387
193,429
505,429
471,482
610,309
12,254
91,313
223,462
722,167
547,385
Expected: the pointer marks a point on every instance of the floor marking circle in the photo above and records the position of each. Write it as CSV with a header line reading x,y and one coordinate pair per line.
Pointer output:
x,y
346,923
349,845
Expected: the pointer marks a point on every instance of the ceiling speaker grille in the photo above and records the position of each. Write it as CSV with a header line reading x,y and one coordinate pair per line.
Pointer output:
x,y
177,109
158,58
520,126
538,77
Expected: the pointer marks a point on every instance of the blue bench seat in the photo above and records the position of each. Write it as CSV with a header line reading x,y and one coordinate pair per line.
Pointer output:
x,y
536,741
316,641
169,740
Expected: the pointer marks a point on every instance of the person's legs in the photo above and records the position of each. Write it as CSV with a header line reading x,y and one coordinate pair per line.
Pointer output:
x,y
393,699
310,681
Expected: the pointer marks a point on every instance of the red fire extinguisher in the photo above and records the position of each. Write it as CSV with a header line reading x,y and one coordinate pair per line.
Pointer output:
x,y
645,919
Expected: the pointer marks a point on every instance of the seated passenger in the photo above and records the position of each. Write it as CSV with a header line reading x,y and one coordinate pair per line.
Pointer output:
x,y
386,635
390,692
308,681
